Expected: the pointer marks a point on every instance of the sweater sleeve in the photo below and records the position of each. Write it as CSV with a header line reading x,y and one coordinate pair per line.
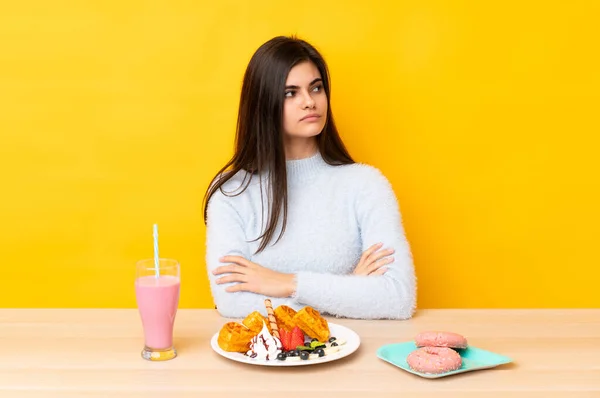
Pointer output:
x,y
389,296
225,236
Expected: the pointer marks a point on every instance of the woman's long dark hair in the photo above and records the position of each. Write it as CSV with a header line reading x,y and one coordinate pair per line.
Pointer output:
x,y
259,137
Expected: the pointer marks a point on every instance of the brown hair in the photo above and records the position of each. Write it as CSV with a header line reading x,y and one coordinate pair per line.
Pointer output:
x,y
259,136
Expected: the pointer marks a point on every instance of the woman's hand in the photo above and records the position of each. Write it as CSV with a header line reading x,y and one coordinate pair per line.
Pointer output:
x,y
251,277
372,262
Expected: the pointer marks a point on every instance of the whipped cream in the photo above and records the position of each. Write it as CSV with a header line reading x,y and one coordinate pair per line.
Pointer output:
x,y
264,345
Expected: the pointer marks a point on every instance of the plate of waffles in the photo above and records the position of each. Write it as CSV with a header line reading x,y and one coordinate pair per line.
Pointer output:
x,y
285,338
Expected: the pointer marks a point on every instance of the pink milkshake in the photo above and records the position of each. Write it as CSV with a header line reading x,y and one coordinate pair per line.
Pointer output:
x,y
157,300
157,295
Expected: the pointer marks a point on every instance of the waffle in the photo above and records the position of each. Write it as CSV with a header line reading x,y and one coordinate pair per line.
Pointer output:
x,y
235,337
312,323
254,322
285,317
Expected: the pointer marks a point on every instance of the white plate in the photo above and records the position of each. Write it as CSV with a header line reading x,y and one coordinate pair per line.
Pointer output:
x,y
337,331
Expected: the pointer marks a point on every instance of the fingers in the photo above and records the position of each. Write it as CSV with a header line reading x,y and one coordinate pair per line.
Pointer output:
x,y
379,255
369,251
366,259
227,269
239,287
232,278
378,264
380,271
236,260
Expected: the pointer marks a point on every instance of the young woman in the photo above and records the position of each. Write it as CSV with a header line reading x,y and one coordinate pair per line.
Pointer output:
x,y
291,216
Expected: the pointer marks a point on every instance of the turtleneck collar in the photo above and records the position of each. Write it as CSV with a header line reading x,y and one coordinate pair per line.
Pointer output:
x,y
304,169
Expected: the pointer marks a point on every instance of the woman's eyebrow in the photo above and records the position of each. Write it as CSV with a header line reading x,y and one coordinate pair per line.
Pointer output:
x,y
318,79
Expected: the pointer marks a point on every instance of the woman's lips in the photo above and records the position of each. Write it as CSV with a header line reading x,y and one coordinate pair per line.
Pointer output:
x,y
310,118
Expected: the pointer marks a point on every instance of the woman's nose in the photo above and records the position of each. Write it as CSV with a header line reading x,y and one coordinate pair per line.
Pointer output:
x,y
309,101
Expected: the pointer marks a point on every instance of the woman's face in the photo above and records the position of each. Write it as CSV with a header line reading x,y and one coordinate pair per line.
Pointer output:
x,y
305,103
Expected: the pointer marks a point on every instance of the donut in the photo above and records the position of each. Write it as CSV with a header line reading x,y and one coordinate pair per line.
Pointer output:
x,y
440,339
434,360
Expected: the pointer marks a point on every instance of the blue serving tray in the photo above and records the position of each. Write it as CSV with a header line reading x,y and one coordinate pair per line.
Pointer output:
x,y
473,358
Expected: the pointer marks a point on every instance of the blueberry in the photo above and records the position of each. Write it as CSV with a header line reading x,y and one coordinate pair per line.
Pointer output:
x,y
334,344
281,356
296,352
332,339
290,354
320,352
314,340
303,355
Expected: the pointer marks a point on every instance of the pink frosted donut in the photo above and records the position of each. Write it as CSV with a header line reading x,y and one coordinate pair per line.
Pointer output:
x,y
434,360
440,339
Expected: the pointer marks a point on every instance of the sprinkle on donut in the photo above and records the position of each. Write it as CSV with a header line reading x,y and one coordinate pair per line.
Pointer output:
x,y
434,360
440,339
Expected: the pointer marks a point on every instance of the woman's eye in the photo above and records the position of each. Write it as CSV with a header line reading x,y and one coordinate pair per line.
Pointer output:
x,y
289,93
318,88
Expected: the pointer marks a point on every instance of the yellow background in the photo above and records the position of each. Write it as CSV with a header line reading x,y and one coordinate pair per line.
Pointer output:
x,y
114,115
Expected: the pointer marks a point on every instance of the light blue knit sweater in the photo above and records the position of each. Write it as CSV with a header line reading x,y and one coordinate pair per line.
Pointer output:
x,y
334,214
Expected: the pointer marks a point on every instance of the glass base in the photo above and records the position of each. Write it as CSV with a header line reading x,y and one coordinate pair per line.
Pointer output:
x,y
152,354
